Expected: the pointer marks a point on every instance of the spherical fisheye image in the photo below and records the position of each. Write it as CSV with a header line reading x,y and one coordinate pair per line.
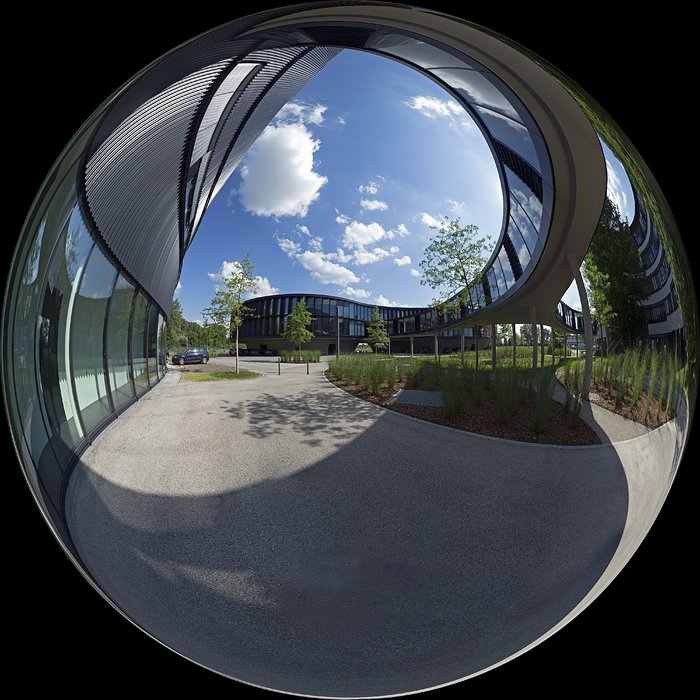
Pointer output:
x,y
349,350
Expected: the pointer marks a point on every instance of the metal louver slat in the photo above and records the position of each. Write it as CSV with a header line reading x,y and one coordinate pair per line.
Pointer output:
x,y
131,181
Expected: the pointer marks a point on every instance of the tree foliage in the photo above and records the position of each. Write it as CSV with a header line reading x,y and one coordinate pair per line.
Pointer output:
x,y
376,330
297,329
453,266
228,307
616,282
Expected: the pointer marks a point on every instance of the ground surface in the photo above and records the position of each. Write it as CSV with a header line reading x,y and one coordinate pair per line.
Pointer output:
x,y
285,533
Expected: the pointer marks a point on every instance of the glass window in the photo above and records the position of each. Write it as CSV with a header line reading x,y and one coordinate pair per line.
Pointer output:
x,y
162,345
525,197
62,278
118,342
138,344
87,334
476,88
493,285
326,306
519,244
512,133
527,230
418,52
152,344
508,276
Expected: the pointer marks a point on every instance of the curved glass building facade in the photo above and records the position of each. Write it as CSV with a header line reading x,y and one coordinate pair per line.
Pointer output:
x,y
101,252
337,319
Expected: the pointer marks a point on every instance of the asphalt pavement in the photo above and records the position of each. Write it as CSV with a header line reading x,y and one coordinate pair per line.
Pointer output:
x,y
288,534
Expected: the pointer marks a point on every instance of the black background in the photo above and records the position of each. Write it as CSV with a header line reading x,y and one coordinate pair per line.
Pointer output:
x,y
69,61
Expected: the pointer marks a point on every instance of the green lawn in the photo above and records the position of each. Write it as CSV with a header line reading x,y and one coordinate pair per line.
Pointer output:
x,y
216,376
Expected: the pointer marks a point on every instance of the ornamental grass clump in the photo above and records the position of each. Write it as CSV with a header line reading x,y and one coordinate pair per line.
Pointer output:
x,y
453,390
506,392
651,386
639,371
543,401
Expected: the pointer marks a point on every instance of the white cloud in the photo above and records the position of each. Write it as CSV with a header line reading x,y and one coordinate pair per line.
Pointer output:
x,y
373,205
178,287
355,293
342,219
367,257
303,229
301,113
324,271
339,255
315,115
402,261
264,288
339,120
415,273
227,268
429,220
291,248
456,206
434,108
383,301
370,188
278,178
359,235
401,230
316,243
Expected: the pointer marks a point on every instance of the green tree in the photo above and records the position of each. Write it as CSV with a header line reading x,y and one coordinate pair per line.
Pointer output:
x,y
453,266
228,307
526,334
176,333
616,282
376,330
504,334
297,328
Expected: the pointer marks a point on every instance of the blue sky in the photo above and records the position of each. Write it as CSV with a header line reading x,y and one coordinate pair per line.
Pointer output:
x,y
337,195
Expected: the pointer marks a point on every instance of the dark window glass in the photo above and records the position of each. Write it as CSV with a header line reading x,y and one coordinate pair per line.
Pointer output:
x,y
519,244
118,342
87,334
152,344
508,276
138,344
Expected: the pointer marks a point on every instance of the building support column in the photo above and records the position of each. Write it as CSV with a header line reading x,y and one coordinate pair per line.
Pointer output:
x,y
541,345
587,328
411,346
493,346
436,344
515,346
533,316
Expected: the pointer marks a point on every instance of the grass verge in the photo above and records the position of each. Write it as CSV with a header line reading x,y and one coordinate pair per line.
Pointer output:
x,y
217,376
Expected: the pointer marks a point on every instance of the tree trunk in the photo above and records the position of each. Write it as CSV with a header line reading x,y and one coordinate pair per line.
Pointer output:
x,y
237,351
515,346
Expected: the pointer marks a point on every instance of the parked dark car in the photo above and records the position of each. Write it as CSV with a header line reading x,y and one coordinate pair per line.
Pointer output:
x,y
272,353
191,356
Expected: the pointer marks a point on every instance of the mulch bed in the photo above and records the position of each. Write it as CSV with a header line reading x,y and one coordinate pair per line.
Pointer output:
x,y
482,418
605,398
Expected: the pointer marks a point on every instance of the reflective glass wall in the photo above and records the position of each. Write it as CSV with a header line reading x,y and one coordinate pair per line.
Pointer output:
x,y
81,342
